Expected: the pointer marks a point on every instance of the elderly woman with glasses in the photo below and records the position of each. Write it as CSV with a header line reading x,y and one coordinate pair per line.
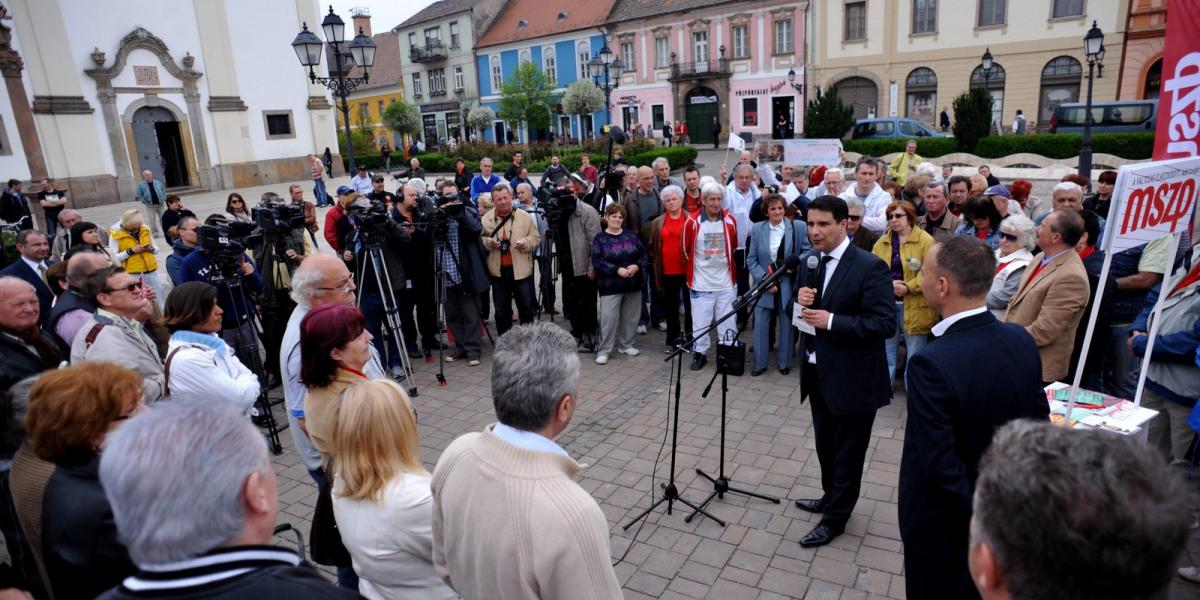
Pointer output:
x,y
1018,236
71,412
382,498
199,365
903,247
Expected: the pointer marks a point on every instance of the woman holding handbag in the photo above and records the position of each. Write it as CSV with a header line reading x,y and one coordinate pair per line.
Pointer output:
x,y
770,243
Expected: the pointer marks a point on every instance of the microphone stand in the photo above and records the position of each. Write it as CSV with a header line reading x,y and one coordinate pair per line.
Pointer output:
x,y
721,482
670,490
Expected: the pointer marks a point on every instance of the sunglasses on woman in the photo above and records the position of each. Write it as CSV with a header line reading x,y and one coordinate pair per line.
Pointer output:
x,y
1008,236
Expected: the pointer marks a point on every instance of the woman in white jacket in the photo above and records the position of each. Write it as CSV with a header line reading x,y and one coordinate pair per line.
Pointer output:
x,y
1017,239
381,494
199,365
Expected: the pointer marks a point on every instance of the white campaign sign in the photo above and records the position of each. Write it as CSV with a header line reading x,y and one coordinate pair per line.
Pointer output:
x,y
1151,200
806,152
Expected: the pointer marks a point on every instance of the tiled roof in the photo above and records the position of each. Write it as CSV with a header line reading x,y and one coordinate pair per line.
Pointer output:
x,y
531,19
386,70
626,10
442,8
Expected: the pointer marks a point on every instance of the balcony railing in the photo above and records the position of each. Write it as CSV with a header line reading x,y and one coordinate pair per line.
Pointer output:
x,y
430,52
704,68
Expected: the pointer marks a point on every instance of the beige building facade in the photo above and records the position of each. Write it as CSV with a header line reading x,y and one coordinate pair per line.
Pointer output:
x,y
911,58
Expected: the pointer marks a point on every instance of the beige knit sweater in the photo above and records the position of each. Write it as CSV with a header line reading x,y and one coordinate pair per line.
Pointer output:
x,y
510,523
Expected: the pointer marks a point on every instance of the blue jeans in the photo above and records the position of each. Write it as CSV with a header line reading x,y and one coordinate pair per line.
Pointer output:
x,y
762,337
322,196
914,344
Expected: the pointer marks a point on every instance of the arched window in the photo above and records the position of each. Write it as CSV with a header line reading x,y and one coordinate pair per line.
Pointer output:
x,y
497,74
1060,83
548,65
920,91
583,53
993,83
1153,81
525,57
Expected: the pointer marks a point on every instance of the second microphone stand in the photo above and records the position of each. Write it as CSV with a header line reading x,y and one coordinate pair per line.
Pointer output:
x,y
721,481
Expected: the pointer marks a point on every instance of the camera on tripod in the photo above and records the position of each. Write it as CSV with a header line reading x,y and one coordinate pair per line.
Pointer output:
x,y
434,211
560,205
278,218
226,243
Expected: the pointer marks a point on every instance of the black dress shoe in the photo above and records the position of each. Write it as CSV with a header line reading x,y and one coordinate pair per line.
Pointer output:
x,y
820,535
414,353
812,505
698,362
784,370
757,372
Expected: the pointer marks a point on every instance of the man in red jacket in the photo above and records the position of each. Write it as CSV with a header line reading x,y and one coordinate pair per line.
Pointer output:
x,y
331,218
709,238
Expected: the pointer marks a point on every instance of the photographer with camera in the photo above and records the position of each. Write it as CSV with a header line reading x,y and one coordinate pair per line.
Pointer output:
x,y
459,256
510,237
417,259
575,224
372,247
220,260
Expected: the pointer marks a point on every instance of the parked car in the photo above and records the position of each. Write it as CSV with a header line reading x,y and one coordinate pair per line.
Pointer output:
x,y
1119,116
892,127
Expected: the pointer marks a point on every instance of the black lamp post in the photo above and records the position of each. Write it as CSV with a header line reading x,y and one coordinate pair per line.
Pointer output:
x,y
1093,48
606,74
309,48
986,68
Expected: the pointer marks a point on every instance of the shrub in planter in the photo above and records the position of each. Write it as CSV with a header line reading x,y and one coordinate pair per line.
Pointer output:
x,y
928,147
1134,146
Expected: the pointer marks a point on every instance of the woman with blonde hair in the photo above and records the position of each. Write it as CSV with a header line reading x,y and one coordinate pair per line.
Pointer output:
x,y
131,242
381,493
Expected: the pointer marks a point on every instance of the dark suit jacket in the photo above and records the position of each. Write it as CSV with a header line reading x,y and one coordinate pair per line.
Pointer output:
x,y
851,361
961,387
865,239
21,270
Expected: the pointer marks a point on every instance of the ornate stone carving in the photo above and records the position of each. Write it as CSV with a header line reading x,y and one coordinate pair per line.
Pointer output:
x,y
61,105
97,57
783,12
226,104
740,19
699,24
11,63
188,61
661,30
319,103
142,35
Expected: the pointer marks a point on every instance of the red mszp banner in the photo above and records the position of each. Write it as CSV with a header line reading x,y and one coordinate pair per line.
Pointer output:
x,y
1178,132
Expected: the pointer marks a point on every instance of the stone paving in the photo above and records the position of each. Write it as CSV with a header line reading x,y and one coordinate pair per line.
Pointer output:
x,y
619,431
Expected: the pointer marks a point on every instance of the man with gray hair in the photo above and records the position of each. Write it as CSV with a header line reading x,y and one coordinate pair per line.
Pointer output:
x,y
662,174
546,538
201,525
62,239
937,221
73,307
1046,492
741,196
485,180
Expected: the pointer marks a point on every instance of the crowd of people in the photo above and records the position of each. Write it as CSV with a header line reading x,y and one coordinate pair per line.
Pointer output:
x,y
135,468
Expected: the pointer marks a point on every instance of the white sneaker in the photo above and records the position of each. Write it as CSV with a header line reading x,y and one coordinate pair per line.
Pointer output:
x,y
1190,574
630,351
602,359
641,330
474,362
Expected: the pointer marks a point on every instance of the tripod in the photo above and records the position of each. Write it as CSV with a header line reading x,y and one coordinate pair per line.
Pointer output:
x,y
670,490
392,331
721,482
232,284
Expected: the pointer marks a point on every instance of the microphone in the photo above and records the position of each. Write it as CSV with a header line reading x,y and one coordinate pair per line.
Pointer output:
x,y
789,266
813,264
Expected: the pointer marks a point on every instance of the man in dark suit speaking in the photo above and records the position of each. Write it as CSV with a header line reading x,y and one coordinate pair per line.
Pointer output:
x,y
848,301
976,375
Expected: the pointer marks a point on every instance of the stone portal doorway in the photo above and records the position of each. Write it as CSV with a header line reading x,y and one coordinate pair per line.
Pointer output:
x,y
159,145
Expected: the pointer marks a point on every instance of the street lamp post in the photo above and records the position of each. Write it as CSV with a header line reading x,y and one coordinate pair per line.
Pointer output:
x,y
986,68
606,75
309,48
1093,48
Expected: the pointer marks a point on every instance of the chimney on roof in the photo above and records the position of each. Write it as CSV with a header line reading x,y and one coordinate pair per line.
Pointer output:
x,y
361,18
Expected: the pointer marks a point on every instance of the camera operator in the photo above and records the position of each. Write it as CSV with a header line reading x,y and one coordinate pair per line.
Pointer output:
x,y
381,196
310,211
575,223
205,264
366,224
510,237
281,226
418,266
460,256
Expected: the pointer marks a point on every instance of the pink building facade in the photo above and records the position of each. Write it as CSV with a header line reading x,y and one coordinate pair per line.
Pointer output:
x,y
718,59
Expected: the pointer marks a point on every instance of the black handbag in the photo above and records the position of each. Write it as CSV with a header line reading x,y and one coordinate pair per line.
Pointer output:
x,y
325,540
731,355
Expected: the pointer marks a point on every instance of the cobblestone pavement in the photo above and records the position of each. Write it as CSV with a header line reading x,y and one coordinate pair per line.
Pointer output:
x,y
619,431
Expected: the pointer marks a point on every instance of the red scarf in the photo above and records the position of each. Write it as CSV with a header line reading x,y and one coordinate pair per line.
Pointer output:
x,y
1192,277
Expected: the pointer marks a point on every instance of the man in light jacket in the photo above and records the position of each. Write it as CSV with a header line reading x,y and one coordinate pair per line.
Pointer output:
x,y
153,195
510,237
115,332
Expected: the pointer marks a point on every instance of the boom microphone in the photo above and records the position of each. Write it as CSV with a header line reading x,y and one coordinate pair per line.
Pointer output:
x,y
616,134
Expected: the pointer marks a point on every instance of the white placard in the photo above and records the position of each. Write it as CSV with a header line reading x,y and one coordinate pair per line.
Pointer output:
x,y
805,152
1151,200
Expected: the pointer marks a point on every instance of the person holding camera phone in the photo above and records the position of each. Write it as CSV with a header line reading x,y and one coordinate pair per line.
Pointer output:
x,y
510,237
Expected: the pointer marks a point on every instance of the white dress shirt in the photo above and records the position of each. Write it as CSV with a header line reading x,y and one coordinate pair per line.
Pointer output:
x,y
527,440
940,329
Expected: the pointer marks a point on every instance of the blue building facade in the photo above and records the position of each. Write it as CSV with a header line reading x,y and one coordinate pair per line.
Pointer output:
x,y
562,58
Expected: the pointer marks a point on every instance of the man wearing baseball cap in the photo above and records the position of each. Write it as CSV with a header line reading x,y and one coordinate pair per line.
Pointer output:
x,y
1002,198
344,192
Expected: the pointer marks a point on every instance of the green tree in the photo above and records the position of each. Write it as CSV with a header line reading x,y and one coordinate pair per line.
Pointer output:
x,y
402,118
582,98
972,118
524,100
827,117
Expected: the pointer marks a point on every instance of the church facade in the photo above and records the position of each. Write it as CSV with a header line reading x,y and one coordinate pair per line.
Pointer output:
x,y
206,94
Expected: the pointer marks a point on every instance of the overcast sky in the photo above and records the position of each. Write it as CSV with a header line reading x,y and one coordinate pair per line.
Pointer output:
x,y
385,14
